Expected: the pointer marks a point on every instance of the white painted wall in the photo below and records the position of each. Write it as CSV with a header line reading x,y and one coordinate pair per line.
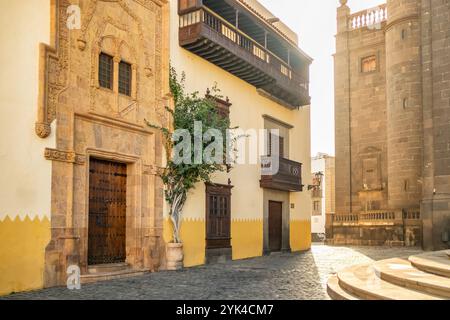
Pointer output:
x,y
318,222
25,179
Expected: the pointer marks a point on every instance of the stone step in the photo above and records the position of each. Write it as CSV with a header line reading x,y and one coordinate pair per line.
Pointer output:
x,y
448,253
336,292
362,281
400,272
105,268
106,276
433,262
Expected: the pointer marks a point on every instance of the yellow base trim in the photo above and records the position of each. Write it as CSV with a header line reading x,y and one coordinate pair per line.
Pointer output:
x,y
246,239
22,254
193,235
300,235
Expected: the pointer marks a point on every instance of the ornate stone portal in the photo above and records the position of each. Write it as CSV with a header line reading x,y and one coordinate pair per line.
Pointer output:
x,y
94,122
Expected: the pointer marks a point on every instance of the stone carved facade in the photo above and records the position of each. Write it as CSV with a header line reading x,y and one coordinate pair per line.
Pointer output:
x,y
392,129
91,121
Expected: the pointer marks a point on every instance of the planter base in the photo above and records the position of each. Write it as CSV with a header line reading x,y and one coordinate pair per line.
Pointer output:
x,y
175,257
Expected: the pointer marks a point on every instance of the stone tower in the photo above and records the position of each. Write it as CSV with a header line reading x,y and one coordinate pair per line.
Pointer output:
x,y
342,112
392,109
404,103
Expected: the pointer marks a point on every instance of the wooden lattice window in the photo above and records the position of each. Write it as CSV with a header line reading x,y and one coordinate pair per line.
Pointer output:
x,y
105,71
218,216
222,106
125,78
369,64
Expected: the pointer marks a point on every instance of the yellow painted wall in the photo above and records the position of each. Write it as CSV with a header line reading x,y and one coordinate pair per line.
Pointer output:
x,y
22,253
300,235
193,235
247,238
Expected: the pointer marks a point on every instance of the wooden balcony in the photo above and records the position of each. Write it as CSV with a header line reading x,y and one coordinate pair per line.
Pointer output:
x,y
208,35
288,177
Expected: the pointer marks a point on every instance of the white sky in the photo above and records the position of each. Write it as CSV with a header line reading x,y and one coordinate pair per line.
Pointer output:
x,y
315,23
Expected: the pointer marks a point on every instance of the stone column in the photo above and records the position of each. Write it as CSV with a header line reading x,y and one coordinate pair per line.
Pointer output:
x,y
404,104
342,112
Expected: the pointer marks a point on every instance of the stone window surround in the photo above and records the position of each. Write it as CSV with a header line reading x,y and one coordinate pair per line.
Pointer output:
x,y
365,56
117,59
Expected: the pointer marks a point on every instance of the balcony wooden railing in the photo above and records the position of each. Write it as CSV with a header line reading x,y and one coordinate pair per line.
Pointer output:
x,y
288,177
275,70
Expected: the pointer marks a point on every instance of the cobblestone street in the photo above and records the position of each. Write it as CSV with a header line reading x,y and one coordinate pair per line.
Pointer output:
x,y
295,276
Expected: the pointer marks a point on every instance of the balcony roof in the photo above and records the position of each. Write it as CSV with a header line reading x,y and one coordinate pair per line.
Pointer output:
x,y
254,15
231,40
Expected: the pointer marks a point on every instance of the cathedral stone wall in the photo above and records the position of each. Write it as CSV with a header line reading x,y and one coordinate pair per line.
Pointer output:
x,y
392,76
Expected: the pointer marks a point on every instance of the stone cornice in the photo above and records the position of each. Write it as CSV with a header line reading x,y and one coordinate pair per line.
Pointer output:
x,y
400,20
64,156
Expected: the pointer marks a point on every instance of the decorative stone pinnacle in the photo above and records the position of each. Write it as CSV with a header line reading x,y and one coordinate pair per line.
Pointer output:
x,y
343,2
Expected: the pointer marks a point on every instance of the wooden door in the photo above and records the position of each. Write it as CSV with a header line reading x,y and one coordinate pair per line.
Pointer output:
x,y
107,212
275,225
218,216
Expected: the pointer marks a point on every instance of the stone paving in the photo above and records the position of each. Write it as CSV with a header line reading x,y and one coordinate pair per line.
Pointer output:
x,y
296,276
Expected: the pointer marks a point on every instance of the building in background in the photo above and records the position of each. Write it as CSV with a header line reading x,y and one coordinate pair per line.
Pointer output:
x,y
322,194
263,76
80,183
392,105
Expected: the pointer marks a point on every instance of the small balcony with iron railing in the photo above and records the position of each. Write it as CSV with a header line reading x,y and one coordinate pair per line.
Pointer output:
x,y
224,41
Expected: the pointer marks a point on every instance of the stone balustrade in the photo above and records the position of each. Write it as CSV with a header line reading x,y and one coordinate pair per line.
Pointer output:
x,y
368,18
375,227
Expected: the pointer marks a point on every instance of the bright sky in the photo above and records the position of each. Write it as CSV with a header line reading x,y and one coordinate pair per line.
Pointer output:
x,y
315,23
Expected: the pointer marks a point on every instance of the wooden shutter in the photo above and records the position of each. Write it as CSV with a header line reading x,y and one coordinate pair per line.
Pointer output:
x,y
218,216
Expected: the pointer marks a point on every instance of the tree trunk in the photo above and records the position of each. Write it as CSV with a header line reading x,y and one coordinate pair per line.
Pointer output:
x,y
176,212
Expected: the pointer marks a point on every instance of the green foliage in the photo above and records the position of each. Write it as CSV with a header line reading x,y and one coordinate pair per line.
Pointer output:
x,y
179,179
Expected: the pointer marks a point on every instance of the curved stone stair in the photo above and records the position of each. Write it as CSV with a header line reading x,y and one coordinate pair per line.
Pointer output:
x,y
395,279
435,262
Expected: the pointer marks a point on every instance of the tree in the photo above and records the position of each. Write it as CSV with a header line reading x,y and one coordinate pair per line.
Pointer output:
x,y
180,178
